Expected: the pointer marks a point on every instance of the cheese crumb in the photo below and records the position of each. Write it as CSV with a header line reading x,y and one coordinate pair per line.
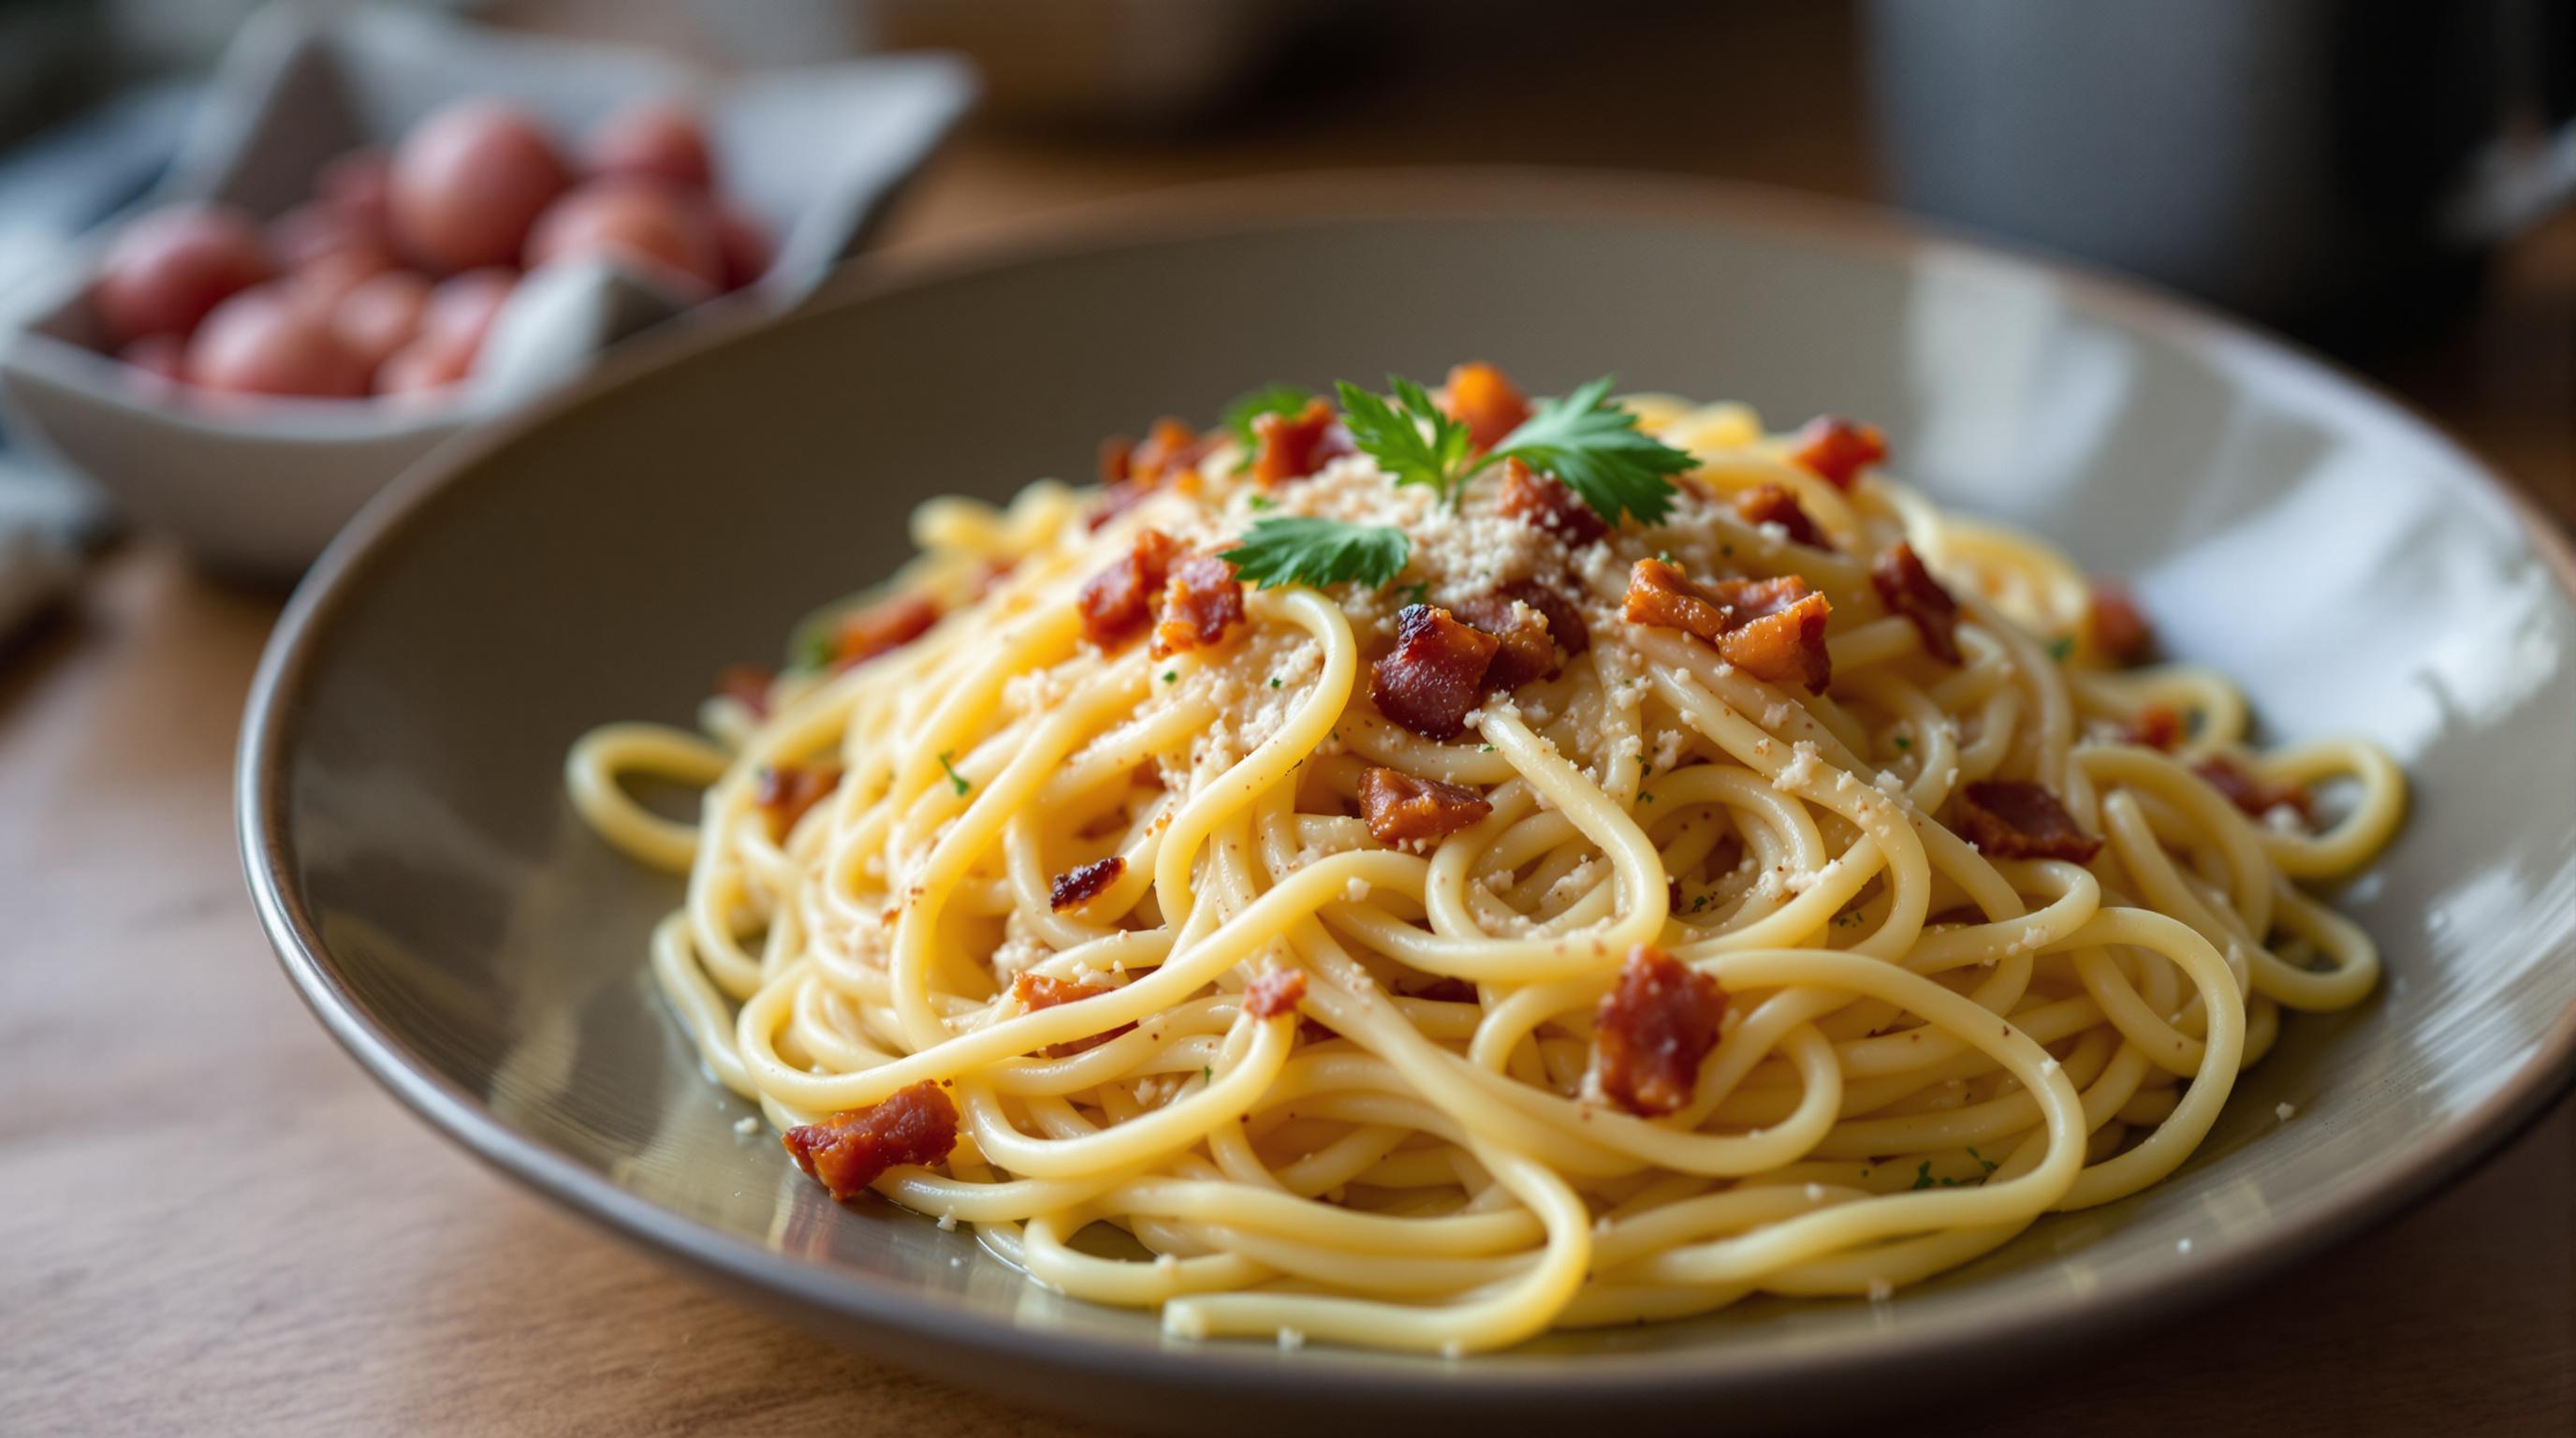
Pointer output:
x,y
1167,1263
2048,1066
746,1125
948,1220
2182,1245
1815,1193
1290,1340
2283,1111
1800,768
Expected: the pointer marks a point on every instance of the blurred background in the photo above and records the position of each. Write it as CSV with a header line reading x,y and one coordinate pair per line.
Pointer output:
x,y
2383,181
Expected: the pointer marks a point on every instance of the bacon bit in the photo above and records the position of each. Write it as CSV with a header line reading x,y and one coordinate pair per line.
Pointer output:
x,y
1526,649
1776,631
1564,621
1837,449
2158,726
1774,504
2018,819
1542,502
2251,792
1772,629
1276,992
2118,628
1652,1030
1037,991
850,1151
1202,602
1079,886
746,685
1293,446
784,792
1117,453
1481,398
1907,588
1117,603
1435,673
881,628
1169,448
1659,594
1402,808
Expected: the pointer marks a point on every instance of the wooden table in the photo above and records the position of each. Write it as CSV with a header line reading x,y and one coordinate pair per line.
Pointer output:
x,y
211,1222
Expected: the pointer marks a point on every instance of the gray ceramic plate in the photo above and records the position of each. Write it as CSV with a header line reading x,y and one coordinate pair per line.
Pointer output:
x,y
456,928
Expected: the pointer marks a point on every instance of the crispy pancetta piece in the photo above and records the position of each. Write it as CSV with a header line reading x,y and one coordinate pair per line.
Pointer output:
x,y
1907,588
1542,502
1083,883
2118,629
1434,675
2019,819
1774,504
784,792
1837,450
2252,792
1037,991
1481,398
882,627
1293,446
1652,1030
2158,726
1525,647
1404,808
1202,601
849,1151
1772,629
1118,603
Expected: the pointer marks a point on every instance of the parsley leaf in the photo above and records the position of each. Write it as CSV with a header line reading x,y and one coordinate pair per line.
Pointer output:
x,y
815,648
1923,1175
2061,647
1392,435
1595,448
953,776
1296,549
1269,399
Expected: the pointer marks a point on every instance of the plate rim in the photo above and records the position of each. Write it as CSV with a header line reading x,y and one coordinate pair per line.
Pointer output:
x,y
1322,200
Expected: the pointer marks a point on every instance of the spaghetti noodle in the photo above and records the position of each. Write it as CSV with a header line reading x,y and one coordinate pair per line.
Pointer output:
x,y
1750,934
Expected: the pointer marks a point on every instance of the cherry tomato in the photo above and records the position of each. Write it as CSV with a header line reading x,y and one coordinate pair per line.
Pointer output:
x,y
167,269
380,314
427,363
461,309
468,181
653,140
634,220
269,340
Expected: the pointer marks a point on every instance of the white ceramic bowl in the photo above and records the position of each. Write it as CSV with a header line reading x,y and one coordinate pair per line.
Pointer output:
x,y
258,487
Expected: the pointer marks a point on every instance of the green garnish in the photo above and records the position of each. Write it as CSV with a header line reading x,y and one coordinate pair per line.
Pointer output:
x,y
1259,502
1392,435
1596,449
1646,798
1274,681
1590,444
1296,549
953,776
1207,1074
1269,399
1990,1164
1923,1175
1902,742
2061,647
814,649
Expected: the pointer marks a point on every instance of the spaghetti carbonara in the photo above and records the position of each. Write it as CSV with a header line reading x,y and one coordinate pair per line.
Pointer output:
x,y
1421,871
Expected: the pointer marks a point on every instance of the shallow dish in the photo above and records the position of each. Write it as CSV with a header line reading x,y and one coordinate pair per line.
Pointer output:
x,y
258,489
453,923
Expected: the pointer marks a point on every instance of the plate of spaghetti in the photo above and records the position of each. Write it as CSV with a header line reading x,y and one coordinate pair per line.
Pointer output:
x,y
1606,812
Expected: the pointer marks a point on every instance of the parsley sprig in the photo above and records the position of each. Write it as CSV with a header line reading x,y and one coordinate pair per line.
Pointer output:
x,y
1298,549
1587,442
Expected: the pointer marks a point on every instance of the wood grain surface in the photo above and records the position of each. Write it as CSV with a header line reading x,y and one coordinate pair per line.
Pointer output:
x,y
211,1222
